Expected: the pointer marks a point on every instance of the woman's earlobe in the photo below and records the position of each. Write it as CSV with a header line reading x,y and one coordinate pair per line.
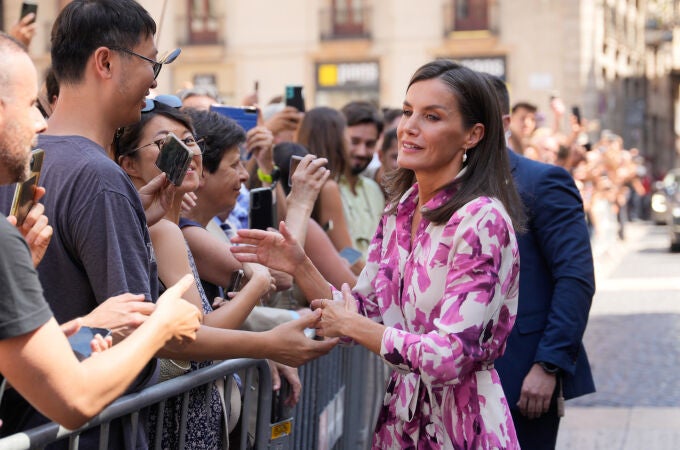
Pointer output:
x,y
128,165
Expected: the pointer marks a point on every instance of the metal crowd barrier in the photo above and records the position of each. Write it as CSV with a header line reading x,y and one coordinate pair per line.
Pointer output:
x,y
341,393
130,405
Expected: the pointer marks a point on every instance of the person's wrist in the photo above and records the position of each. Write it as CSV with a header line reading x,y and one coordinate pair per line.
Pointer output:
x,y
267,175
299,205
549,368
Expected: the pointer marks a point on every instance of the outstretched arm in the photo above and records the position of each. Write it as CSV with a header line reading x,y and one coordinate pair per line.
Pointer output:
x,y
41,366
282,252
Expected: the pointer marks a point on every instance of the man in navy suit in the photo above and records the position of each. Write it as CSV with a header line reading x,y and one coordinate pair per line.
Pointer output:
x,y
544,361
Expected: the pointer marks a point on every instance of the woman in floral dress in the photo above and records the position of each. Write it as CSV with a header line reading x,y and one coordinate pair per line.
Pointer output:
x,y
438,295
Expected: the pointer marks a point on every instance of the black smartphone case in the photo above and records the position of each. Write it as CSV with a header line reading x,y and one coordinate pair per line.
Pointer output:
x,y
261,215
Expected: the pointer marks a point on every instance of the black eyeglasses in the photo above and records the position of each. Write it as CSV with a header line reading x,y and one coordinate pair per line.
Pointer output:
x,y
192,142
157,65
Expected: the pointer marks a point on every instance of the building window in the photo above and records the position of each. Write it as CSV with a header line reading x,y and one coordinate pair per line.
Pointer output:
x,y
202,22
348,17
470,15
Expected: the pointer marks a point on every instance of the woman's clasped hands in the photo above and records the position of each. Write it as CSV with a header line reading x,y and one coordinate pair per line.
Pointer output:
x,y
336,315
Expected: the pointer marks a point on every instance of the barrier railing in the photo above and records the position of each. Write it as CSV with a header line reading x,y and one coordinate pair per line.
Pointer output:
x,y
340,395
130,405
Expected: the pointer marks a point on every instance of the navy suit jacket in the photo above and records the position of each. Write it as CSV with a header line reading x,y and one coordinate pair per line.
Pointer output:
x,y
556,282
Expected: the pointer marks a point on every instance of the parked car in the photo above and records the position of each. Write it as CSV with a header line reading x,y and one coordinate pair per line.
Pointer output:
x,y
671,187
658,206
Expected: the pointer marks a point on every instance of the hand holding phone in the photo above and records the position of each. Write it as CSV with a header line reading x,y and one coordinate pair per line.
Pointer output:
x,y
24,193
174,159
294,163
81,341
236,282
576,111
28,7
294,97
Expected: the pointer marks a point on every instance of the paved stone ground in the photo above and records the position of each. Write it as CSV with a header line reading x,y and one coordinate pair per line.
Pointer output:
x,y
633,342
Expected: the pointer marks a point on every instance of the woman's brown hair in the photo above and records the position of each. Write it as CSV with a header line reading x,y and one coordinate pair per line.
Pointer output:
x,y
488,168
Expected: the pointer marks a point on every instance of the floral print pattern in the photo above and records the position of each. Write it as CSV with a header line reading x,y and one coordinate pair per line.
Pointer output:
x,y
448,300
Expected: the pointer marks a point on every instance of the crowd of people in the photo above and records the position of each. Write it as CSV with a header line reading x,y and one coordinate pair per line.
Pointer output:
x,y
615,183
450,237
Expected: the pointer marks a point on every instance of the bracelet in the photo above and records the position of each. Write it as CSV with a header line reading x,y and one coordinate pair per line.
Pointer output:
x,y
267,177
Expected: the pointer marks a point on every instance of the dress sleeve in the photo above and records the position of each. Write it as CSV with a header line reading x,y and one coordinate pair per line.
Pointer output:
x,y
364,292
469,325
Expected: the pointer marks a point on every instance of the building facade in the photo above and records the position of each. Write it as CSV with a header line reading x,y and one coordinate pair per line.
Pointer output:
x,y
594,54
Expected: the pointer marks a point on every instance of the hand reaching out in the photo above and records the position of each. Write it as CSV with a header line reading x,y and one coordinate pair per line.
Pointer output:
x,y
181,318
289,345
336,314
279,251
121,314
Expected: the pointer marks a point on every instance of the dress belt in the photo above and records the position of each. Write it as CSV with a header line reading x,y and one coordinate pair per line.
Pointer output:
x,y
484,366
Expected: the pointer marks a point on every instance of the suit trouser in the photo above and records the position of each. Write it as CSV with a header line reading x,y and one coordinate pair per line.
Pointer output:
x,y
537,434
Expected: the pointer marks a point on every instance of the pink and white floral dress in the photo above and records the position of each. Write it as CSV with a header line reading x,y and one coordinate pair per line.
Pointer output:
x,y
449,300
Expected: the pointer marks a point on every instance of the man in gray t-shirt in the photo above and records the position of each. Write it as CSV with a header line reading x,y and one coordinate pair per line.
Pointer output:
x,y
101,246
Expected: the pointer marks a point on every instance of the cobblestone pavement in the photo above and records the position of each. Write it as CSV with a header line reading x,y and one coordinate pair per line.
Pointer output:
x,y
633,334
633,342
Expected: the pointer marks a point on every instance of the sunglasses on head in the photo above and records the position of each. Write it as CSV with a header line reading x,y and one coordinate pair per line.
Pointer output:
x,y
168,100
157,65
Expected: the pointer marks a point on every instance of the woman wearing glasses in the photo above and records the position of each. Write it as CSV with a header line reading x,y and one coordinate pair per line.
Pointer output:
x,y
136,151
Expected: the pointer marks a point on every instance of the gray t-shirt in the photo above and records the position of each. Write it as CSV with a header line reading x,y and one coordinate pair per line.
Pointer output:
x,y
101,245
22,306
100,248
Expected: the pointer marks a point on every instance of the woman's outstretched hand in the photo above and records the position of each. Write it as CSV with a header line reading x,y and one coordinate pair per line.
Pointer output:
x,y
278,251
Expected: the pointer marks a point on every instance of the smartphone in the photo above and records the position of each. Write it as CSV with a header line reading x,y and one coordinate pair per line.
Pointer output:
x,y
246,116
352,255
577,113
294,163
80,342
24,193
174,159
294,97
236,282
27,8
262,210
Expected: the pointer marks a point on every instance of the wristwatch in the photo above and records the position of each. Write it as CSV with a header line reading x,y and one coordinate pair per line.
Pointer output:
x,y
549,368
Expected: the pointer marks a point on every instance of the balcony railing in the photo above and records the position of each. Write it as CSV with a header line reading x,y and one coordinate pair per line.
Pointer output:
x,y
200,30
453,25
346,23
